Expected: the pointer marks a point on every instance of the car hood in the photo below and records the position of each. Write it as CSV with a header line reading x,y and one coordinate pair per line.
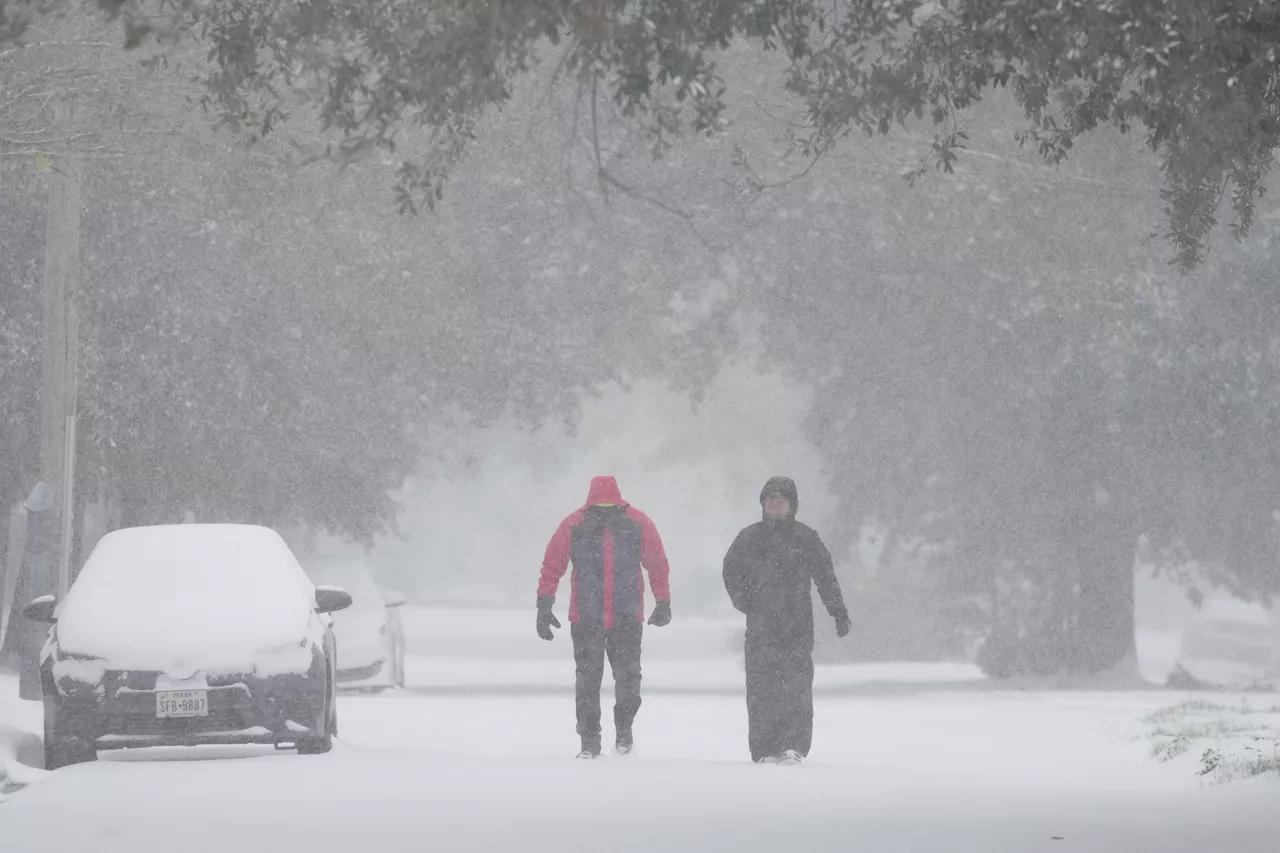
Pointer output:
x,y
186,597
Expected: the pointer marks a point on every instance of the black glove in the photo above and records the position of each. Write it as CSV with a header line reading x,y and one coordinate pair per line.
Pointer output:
x,y
661,614
546,619
843,625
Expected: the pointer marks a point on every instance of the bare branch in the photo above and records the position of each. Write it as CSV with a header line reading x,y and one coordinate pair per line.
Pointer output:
x,y
684,215
84,153
761,184
595,136
787,122
545,97
4,54
44,105
570,145
4,140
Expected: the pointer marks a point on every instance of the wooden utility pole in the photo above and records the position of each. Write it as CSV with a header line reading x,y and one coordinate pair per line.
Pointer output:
x,y
47,562
61,333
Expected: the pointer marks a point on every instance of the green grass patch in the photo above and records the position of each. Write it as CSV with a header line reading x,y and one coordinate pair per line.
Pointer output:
x,y
1259,759
1169,748
1174,712
1241,741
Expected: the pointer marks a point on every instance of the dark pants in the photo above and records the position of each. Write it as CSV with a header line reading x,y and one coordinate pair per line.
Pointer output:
x,y
779,695
591,644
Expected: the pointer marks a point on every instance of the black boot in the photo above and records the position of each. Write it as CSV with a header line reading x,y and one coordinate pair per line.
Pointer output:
x,y
625,741
590,748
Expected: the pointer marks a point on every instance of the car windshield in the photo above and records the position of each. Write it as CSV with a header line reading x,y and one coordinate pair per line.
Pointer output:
x,y
151,597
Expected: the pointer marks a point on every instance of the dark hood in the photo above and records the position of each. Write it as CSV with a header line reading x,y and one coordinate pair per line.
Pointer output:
x,y
784,486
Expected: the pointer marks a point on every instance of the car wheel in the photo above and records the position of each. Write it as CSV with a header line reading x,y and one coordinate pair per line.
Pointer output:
x,y
60,752
322,744
61,749
399,665
315,745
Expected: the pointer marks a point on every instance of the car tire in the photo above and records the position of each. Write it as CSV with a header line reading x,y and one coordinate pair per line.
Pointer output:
x,y
315,745
64,752
61,749
324,743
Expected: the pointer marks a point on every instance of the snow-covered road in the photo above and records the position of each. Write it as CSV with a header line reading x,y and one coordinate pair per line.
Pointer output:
x,y
955,772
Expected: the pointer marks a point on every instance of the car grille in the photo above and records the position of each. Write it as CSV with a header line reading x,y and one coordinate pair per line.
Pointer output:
x,y
236,702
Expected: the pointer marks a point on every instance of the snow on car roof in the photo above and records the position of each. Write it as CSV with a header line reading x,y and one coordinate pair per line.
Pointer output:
x,y
186,596
352,574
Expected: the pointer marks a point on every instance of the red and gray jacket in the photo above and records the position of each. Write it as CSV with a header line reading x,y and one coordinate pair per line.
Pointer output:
x,y
608,541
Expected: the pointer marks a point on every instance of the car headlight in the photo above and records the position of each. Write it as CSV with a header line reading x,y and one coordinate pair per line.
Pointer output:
x,y
75,656
72,668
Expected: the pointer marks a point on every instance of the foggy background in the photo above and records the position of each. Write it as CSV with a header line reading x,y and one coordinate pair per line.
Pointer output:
x,y
476,531
995,394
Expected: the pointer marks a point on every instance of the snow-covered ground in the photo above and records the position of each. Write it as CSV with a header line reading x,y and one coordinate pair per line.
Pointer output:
x,y
440,674
1220,737
907,757
963,773
20,748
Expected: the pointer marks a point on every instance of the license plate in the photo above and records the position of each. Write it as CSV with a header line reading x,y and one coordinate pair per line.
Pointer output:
x,y
182,703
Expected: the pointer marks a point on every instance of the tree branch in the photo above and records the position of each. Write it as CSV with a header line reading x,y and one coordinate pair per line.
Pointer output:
x,y
595,137
4,140
760,183
545,97
787,122
83,153
608,177
5,54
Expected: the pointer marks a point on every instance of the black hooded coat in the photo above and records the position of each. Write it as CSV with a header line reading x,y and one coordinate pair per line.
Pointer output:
x,y
769,573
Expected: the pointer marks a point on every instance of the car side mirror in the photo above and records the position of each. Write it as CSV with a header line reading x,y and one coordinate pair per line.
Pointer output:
x,y
41,609
394,599
330,599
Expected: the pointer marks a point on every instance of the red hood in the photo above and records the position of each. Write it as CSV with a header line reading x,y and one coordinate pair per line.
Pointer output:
x,y
604,490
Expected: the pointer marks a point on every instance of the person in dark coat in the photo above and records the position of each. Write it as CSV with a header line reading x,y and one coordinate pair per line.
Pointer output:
x,y
608,541
769,573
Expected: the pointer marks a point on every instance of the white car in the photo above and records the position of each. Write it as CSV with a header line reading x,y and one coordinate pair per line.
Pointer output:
x,y
369,633
1228,653
185,634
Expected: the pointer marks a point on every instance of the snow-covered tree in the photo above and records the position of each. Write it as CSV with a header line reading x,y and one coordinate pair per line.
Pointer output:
x,y
1198,78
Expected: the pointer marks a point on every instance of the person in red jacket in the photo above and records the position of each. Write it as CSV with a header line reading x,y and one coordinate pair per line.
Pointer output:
x,y
608,541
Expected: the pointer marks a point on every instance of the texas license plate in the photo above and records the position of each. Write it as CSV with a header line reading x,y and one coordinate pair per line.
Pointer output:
x,y
182,703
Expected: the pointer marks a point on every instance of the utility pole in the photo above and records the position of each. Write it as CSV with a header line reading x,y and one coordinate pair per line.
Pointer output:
x,y
71,388
46,567
61,351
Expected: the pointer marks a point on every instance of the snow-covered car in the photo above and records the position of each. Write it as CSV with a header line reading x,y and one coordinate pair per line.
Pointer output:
x,y
369,633
1228,653
393,601
186,634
